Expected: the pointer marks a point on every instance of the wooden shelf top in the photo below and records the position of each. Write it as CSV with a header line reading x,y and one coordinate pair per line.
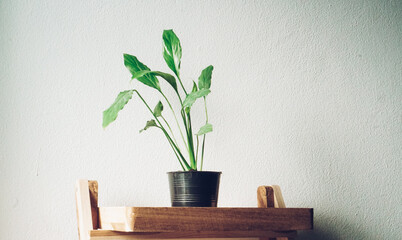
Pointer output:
x,y
181,219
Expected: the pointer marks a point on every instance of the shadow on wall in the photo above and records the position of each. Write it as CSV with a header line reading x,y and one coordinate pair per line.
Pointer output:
x,y
317,234
328,228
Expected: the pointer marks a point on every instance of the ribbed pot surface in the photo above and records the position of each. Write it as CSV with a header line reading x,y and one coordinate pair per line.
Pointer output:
x,y
194,188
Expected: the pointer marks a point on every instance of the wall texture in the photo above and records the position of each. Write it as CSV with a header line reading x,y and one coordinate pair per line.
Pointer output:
x,y
305,94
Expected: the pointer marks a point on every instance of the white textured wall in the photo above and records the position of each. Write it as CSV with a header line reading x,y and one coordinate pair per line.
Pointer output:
x,y
305,94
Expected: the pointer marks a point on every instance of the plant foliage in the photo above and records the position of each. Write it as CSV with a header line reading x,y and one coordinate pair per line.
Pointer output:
x,y
172,53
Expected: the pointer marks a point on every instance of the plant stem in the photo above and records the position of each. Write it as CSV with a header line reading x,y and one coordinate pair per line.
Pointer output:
x,y
181,164
196,154
206,111
171,145
187,124
203,138
174,114
181,84
175,148
183,116
190,142
170,129
202,152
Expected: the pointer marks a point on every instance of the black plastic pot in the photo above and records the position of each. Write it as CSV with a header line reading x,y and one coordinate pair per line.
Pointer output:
x,y
194,188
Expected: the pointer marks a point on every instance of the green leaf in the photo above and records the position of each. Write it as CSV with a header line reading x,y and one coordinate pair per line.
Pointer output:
x,y
195,88
139,74
190,99
169,78
150,123
158,109
172,50
205,129
204,81
111,113
135,66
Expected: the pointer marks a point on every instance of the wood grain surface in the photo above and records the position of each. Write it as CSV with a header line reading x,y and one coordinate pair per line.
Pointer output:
x,y
233,235
181,219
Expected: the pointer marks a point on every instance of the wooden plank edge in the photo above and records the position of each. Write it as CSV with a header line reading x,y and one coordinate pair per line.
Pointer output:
x,y
83,209
124,218
172,235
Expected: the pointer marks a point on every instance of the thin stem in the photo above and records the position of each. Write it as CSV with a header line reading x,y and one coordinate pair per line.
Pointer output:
x,y
187,135
206,111
174,114
183,116
181,84
178,151
164,131
203,139
170,129
181,164
187,125
175,149
190,142
202,152
196,155
175,153
178,95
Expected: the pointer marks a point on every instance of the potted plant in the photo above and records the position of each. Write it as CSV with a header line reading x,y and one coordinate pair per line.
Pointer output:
x,y
191,187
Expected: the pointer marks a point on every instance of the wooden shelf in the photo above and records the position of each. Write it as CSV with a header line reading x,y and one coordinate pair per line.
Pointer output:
x,y
181,219
270,220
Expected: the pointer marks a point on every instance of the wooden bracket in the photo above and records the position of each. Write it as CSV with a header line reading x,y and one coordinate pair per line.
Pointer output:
x,y
265,197
270,197
86,196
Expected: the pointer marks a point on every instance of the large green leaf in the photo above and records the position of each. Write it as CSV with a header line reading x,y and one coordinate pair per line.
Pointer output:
x,y
191,97
150,123
110,114
134,66
169,78
205,129
158,109
172,50
204,81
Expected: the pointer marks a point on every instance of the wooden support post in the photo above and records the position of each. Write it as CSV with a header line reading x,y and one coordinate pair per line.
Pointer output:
x,y
93,195
86,195
268,197
265,197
